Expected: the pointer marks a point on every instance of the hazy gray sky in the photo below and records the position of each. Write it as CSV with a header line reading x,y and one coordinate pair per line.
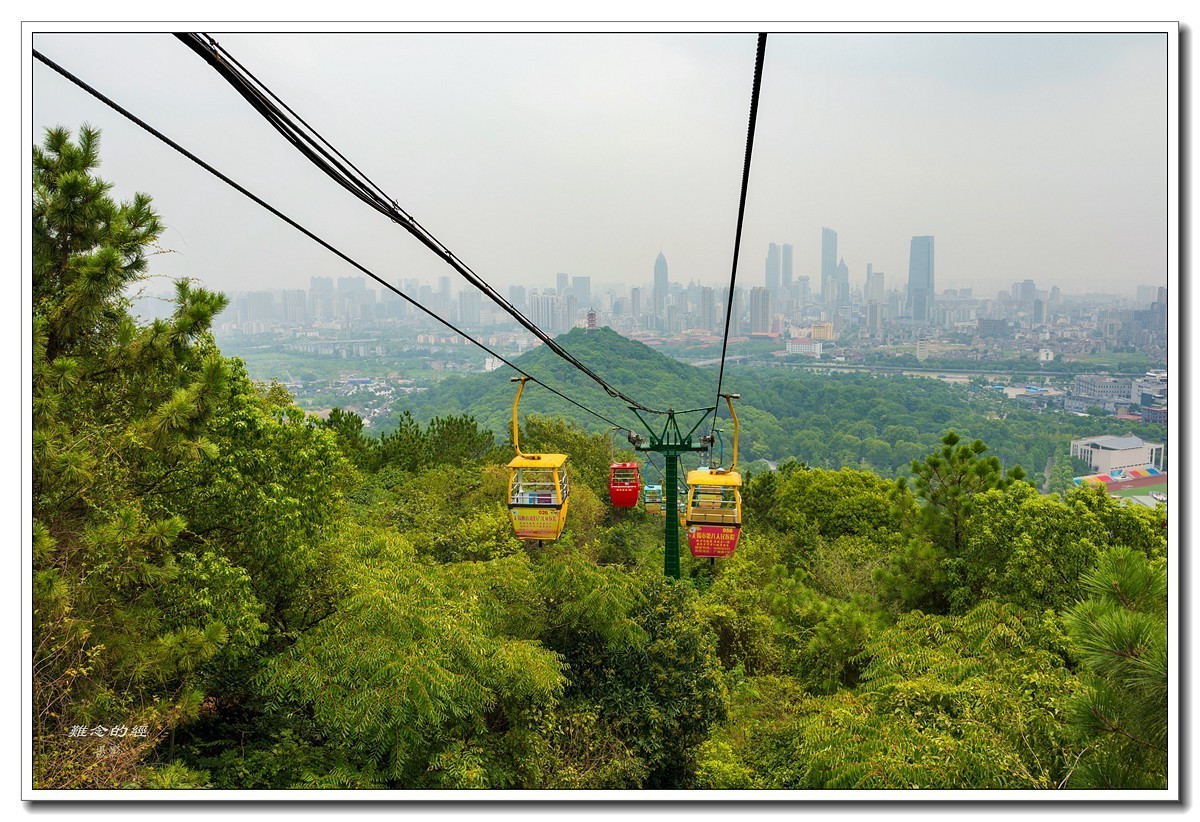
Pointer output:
x,y
1038,156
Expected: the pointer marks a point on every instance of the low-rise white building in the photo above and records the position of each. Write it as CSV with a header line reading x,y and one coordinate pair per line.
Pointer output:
x,y
1107,453
808,347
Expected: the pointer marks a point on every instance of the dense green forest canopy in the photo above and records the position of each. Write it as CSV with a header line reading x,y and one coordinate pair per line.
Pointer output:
x,y
229,594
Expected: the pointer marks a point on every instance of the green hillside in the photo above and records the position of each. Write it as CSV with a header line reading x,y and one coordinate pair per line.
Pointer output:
x,y
831,420
634,368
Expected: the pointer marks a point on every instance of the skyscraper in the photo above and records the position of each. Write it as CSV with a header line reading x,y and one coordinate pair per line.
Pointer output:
x,y
660,273
581,288
920,278
828,266
773,268
785,279
661,285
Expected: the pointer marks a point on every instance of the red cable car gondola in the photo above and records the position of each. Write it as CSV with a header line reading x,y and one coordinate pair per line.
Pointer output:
x,y
624,478
624,484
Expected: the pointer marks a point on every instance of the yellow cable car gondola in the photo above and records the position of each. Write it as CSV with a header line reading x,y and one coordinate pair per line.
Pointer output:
x,y
538,490
714,504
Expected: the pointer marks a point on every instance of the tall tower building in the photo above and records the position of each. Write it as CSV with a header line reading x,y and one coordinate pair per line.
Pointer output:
x,y
828,266
843,283
920,279
773,268
785,278
661,287
660,273
581,287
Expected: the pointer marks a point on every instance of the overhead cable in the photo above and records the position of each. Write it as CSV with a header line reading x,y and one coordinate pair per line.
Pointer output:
x,y
737,240
329,160
242,190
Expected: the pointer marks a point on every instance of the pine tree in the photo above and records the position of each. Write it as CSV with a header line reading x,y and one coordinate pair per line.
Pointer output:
x,y
1121,633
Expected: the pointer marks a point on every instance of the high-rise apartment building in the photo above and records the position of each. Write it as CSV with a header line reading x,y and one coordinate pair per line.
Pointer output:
x,y
321,297
469,301
760,310
920,279
802,292
541,310
874,287
516,296
708,308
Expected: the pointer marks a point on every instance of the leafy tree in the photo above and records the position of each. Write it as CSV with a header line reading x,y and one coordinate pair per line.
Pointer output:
x,y
969,702
180,512
108,397
415,683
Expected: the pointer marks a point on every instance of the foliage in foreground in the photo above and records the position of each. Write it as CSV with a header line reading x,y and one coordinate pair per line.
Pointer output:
x,y
278,602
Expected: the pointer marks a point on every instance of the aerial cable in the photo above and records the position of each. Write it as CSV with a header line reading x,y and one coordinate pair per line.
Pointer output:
x,y
242,190
256,94
737,241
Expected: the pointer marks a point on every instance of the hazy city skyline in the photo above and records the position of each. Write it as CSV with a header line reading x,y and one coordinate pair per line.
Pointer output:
x,y
1027,156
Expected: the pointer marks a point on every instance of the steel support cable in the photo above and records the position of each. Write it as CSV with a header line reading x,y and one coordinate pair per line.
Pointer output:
x,y
381,202
267,206
228,67
257,98
737,240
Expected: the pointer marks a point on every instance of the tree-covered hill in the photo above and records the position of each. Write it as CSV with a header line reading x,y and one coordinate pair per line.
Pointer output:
x,y
831,419
634,368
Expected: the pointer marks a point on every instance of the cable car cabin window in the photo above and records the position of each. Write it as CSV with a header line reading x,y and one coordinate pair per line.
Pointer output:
x,y
714,505
538,486
624,476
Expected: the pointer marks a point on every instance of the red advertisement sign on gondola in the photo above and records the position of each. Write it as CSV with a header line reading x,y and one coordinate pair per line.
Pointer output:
x,y
712,540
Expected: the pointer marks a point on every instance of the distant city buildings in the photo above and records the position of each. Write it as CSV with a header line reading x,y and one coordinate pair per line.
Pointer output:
x,y
1042,325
